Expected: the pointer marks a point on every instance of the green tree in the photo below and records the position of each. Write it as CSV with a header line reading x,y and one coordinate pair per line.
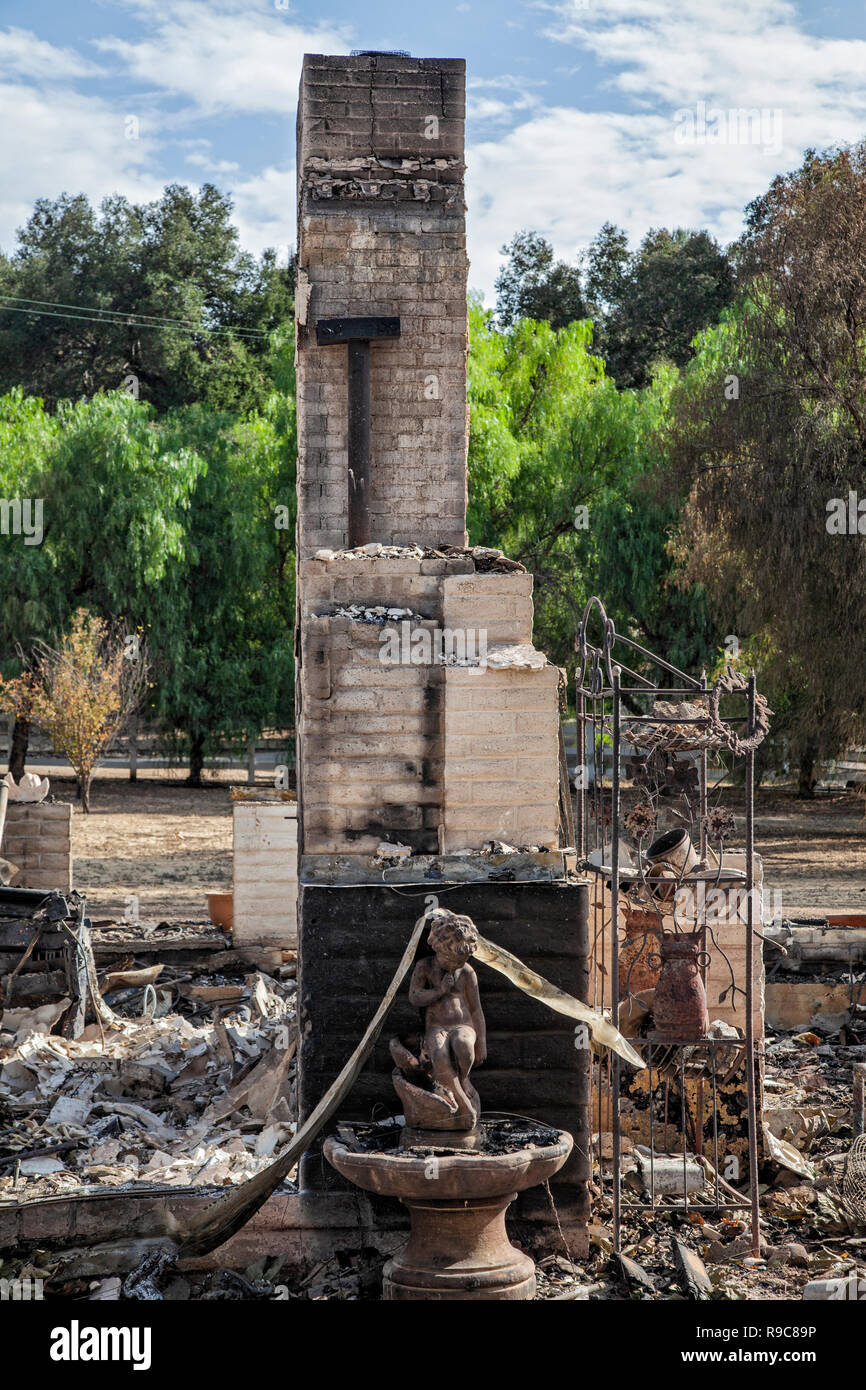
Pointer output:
x,y
222,649
182,524
155,298
534,285
111,501
768,427
648,306
558,459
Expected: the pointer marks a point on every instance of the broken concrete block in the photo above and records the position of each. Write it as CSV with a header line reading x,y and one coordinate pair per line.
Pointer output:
x,y
824,1290
69,1110
40,1167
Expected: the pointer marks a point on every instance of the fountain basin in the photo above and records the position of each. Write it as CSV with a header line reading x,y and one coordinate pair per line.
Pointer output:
x,y
458,1247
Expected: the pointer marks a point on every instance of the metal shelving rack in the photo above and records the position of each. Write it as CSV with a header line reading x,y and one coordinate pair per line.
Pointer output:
x,y
603,682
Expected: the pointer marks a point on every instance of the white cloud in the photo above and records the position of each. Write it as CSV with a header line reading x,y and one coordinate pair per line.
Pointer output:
x,y
225,58
22,54
565,171
212,167
264,210
60,141
560,169
222,57
737,55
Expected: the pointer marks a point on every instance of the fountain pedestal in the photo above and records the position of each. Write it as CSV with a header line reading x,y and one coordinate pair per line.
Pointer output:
x,y
458,1247
459,1250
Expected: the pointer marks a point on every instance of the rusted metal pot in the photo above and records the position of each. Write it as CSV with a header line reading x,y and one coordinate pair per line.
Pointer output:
x,y
675,848
680,1004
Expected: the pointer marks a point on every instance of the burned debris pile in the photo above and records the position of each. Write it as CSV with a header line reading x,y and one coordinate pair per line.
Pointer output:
x,y
184,1076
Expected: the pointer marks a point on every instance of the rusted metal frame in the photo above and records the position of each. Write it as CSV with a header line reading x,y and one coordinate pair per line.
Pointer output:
x,y
661,718
611,638
715,1125
684,1127
751,1059
858,1119
657,689
652,1127
702,792
598,693
598,770
614,937
728,1205
644,688
691,683
581,753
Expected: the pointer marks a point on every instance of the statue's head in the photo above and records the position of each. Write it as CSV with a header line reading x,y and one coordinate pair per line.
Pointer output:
x,y
452,936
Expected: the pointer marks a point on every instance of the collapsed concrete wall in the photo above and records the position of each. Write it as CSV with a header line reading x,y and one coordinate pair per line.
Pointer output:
x,y
439,753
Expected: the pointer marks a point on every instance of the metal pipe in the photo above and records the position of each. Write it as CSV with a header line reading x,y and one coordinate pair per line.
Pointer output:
x,y
583,769
703,792
859,1077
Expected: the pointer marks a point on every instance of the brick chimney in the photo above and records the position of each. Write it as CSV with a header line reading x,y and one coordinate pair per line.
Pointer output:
x,y
381,231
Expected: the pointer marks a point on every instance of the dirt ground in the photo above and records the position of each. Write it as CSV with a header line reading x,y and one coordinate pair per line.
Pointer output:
x,y
171,845
155,838
814,852
168,845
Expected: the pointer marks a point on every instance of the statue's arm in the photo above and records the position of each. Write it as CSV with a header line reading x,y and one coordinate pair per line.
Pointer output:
x,y
421,993
473,999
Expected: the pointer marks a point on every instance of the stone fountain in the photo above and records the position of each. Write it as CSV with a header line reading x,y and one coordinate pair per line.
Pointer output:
x,y
455,1171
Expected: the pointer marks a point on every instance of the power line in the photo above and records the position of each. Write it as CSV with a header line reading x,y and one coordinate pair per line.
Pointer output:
x,y
128,315
117,316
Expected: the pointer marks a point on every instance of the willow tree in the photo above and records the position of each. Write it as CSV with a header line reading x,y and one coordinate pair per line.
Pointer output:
x,y
112,498
768,432
558,458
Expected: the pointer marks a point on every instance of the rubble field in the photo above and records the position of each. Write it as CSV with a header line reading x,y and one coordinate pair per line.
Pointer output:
x,y
193,1087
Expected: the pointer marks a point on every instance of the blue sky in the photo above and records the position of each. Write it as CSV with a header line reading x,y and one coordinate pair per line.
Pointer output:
x,y
641,112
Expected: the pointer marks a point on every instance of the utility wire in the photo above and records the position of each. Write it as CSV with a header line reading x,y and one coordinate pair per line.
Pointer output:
x,y
125,315
118,317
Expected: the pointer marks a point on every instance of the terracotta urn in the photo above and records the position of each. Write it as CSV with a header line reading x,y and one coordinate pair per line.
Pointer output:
x,y
220,909
680,1003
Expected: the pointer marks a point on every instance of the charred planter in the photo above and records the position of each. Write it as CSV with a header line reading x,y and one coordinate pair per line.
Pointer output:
x,y
638,954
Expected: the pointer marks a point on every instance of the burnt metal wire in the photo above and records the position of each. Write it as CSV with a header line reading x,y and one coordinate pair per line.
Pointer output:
x,y
607,713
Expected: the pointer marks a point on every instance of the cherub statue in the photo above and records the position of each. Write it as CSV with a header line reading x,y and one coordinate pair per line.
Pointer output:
x,y
445,987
